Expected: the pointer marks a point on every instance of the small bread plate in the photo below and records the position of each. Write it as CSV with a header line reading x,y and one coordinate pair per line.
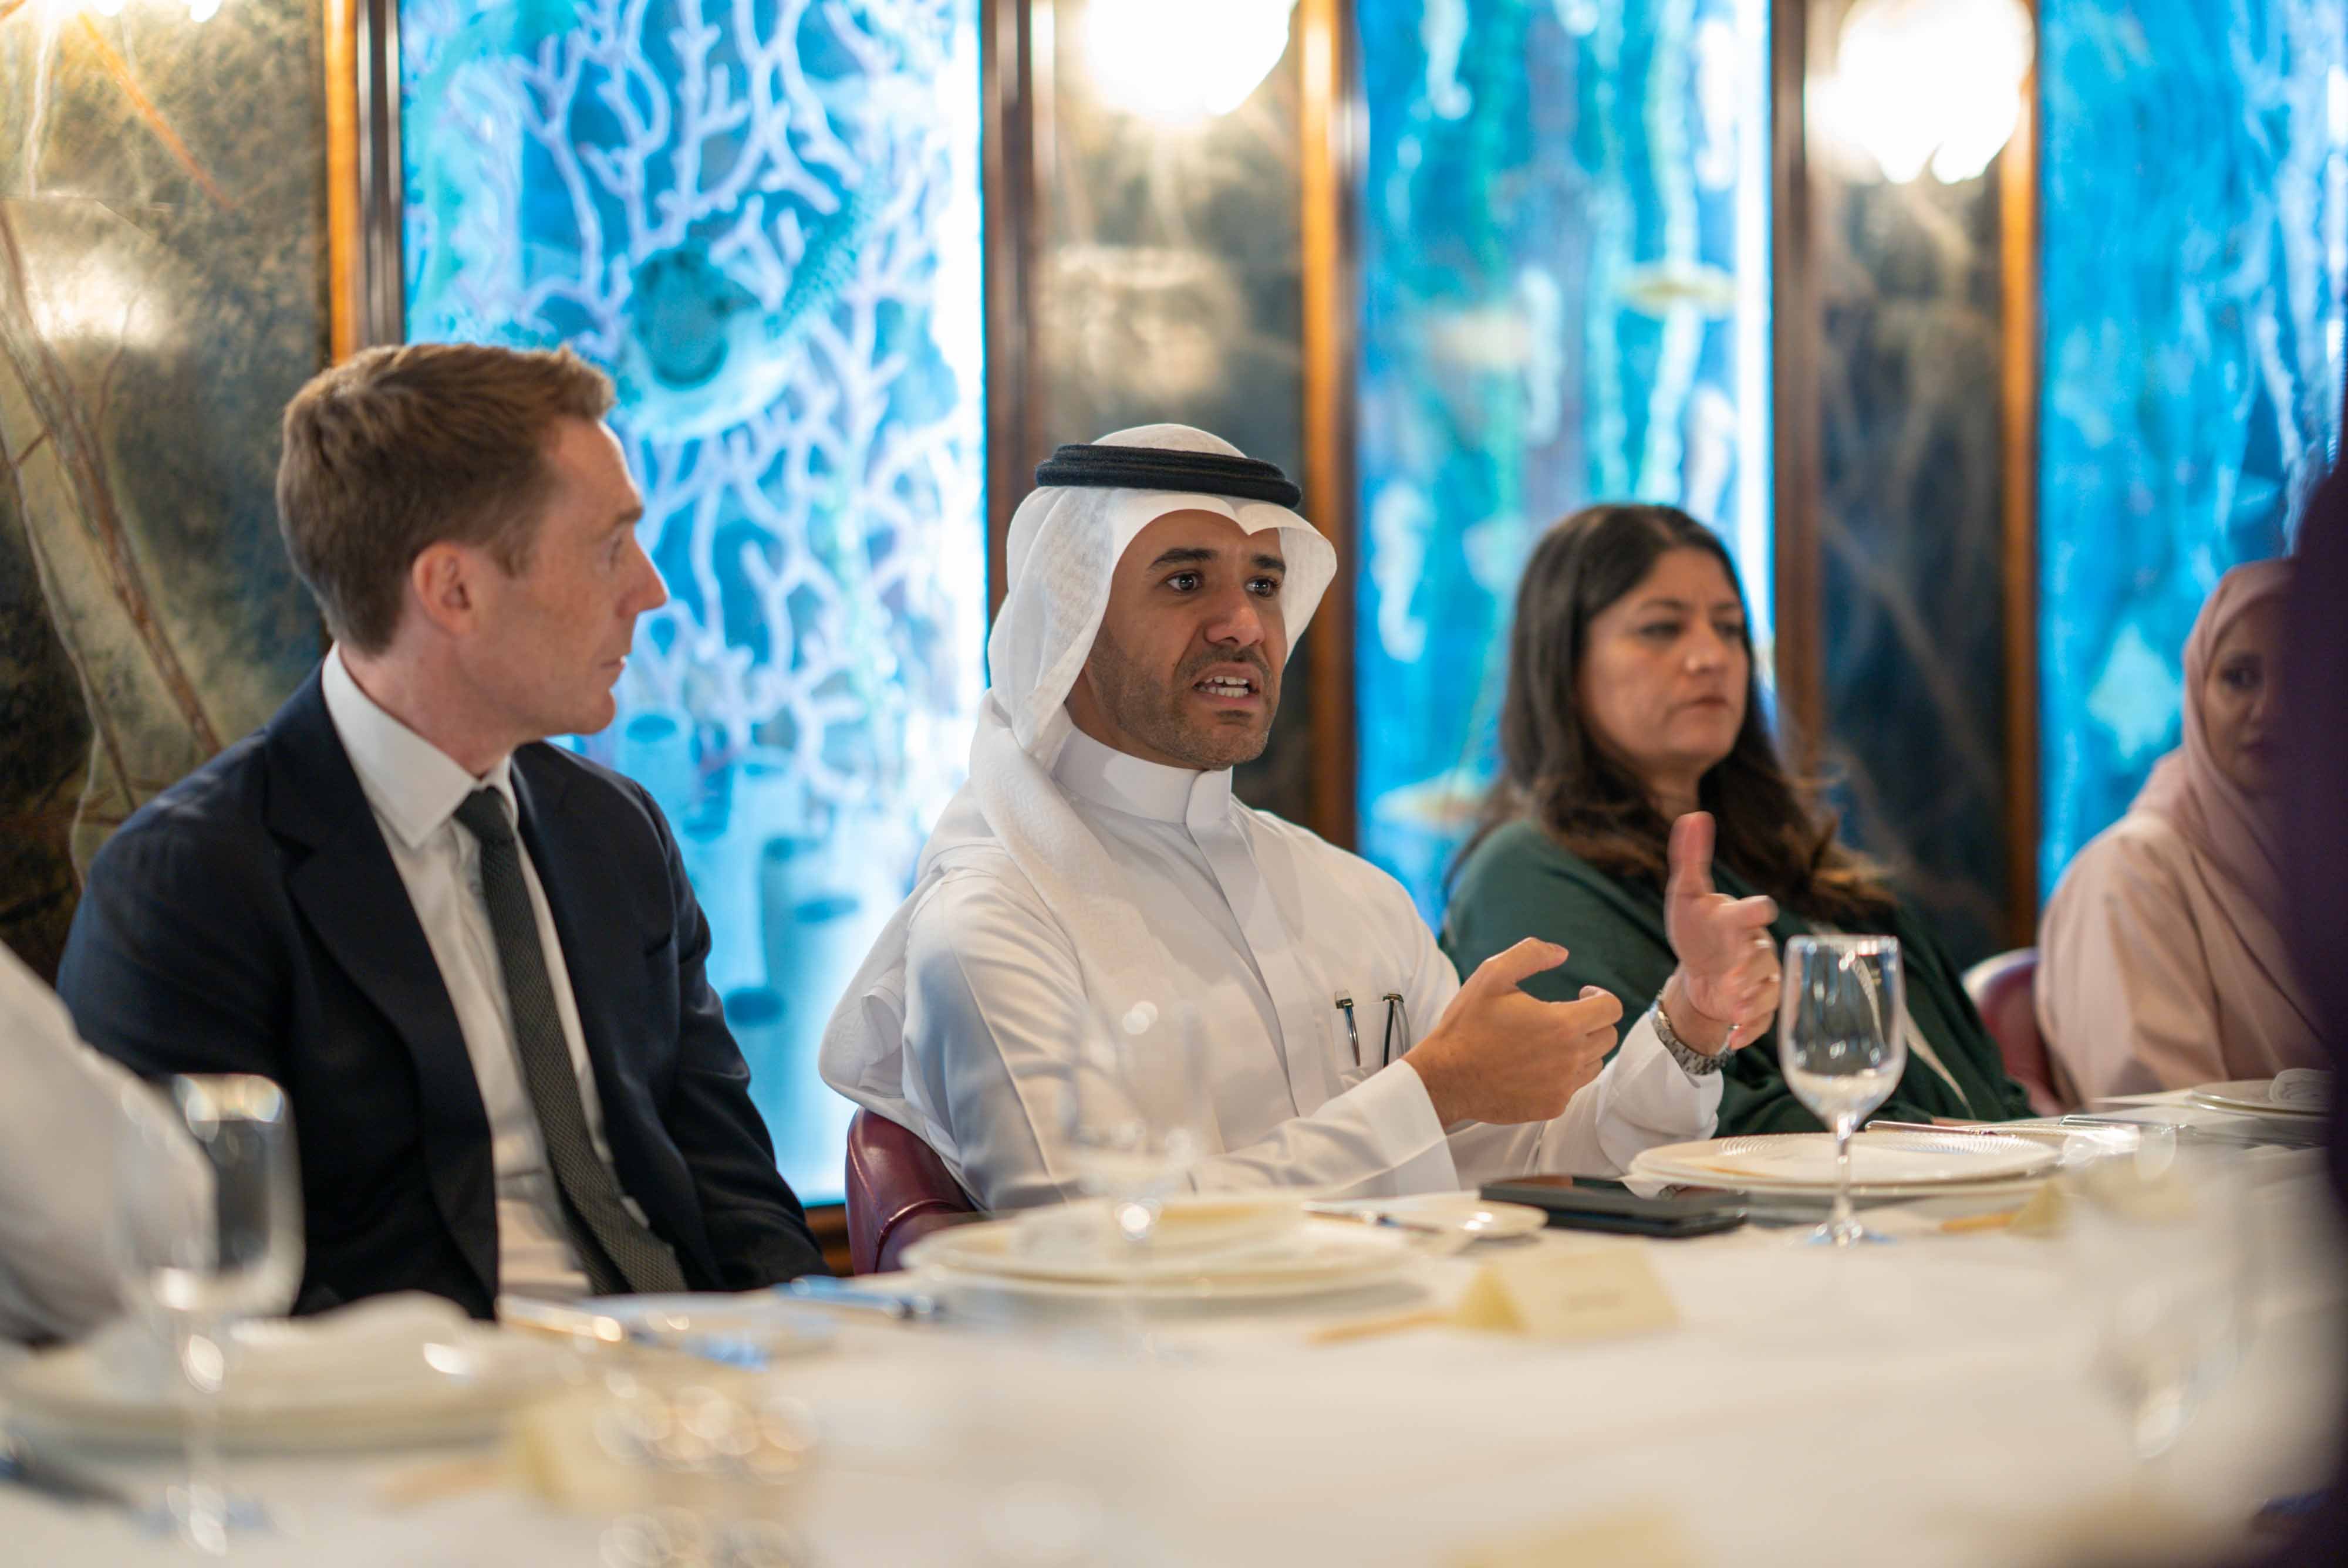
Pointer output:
x,y
1303,1260
2253,1097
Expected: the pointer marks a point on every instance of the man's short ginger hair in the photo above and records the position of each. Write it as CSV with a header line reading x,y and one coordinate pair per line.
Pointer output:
x,y
400,449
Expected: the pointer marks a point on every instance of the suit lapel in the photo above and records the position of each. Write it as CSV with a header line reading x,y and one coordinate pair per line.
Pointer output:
x,y
350,893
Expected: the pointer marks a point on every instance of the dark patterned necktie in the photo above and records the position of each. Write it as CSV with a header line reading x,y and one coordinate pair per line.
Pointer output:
x,y
618,1252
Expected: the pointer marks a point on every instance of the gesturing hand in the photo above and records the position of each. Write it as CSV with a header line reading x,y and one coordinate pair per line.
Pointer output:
x,y
1500,1055
1725,992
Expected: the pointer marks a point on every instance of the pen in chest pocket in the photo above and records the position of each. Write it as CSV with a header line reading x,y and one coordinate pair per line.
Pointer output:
x,y
1397,1027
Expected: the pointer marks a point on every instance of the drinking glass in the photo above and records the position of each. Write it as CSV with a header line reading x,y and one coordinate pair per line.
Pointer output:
x,y
2160,1240
1842,1047
1138,1116
208,1205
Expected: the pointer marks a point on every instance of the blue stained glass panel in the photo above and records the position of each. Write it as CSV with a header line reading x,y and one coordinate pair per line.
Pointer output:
x,y
2195,245
763,218
1564,261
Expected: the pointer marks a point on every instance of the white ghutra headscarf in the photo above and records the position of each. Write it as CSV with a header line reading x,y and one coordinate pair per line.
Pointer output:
x,y
1065,541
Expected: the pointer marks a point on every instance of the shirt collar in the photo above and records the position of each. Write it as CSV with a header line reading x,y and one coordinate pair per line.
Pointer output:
x,y
1123,782
413,784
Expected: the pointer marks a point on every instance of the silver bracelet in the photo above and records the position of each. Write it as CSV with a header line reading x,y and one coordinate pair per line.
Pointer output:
x,y
1692,1062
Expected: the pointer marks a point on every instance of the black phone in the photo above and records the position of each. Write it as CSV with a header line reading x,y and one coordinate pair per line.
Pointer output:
x,y
1597,1203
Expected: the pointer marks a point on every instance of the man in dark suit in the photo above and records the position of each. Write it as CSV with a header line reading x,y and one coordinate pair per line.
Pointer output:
x,y
472,958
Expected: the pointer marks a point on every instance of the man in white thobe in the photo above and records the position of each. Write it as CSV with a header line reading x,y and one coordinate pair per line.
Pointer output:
x,y
66,1110
1097,870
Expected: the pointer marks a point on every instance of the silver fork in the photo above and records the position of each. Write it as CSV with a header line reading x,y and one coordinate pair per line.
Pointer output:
x,y
53,1477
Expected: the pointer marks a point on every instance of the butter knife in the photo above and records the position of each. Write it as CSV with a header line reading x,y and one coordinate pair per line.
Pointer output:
x,y
1992,1130
1380,1218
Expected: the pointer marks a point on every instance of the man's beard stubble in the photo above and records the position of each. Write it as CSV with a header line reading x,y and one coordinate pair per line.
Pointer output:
x,y
1154,712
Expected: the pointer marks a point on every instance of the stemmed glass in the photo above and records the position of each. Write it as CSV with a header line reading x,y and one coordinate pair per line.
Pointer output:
x,y
2161,1243
1139,1119
207,1207
1840,1040
1139,1113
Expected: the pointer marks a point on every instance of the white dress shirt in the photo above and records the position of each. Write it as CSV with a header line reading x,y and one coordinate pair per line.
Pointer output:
x,y
414,789
1265,925
63,1113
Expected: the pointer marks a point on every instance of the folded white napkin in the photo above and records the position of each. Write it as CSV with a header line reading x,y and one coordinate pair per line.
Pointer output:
x,y
2308,1088
384,1347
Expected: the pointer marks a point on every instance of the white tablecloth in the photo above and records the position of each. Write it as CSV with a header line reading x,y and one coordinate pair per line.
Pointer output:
x,y
1929,1402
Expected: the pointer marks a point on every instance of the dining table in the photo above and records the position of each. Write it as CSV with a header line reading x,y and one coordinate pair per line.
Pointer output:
x,y
1938,1400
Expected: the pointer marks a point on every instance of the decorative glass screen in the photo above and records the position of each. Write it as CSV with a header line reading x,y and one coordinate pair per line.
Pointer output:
x,y
2195,245
763,218
1565,299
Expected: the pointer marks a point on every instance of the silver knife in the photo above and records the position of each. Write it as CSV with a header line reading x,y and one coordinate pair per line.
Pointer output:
x,y
2200,1132
1380,1218
600,1328
821,1290
53,1477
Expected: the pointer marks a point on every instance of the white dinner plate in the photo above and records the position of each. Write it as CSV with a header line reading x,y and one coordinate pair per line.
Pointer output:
x,y
1646,1182
2248,1096
1804,1162
1309,1260
462,1394
1463,1212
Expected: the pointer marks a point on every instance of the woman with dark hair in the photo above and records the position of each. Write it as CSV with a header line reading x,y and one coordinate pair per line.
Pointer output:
x,y
1632,702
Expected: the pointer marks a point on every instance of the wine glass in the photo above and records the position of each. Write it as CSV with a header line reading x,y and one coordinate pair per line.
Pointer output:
x,y
208,1208
1138,1115
2160,1241
1841,1042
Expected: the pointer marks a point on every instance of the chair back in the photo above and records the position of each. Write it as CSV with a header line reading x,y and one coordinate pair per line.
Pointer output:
x,y
2004,989
898,1192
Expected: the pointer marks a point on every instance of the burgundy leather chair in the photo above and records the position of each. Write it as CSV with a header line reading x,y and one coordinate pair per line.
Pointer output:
x,y
899,1191
2003,988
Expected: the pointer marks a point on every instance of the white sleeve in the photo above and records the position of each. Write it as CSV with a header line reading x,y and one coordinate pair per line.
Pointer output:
x,y
993,999
1638,1100
59,1124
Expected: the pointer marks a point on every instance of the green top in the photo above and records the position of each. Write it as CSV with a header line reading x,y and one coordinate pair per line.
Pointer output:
x,y
1522,883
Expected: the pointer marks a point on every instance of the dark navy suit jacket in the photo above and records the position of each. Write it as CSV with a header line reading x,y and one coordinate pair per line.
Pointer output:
x,y
250,919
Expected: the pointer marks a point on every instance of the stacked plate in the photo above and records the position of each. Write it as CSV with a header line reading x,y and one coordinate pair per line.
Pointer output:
x,y
2302,1095
1883,1164
1206,1250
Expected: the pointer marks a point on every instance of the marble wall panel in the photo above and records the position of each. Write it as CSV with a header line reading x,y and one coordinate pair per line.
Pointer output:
x,y
1170,287
764,221
1910,537
1563,231
162,292
2196,248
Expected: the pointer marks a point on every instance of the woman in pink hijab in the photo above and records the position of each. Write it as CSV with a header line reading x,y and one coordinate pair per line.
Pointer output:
x,y
2159,963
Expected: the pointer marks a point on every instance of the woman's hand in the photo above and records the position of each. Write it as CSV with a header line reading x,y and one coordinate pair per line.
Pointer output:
x,y
1725,992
